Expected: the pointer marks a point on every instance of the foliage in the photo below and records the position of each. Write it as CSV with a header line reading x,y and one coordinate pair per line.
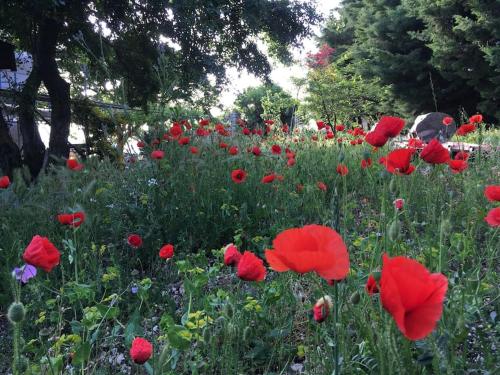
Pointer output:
x,y
417,49
202,319
263,102
335,94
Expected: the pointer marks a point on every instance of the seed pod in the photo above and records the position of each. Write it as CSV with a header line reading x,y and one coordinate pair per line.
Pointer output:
x,y
395,230
355,298
16,312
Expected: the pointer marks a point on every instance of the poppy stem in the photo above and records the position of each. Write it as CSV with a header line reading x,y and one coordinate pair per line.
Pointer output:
x,y
335,331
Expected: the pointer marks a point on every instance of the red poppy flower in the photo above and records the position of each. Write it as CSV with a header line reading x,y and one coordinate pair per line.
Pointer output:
x,y
321,186
74,165
376,138
238,176
256,151
342,169
320,125
4,182
141,144
251,267
493,217
412,295
231,255
390,126
167,251
322,308
365,163
193,149
141,350
462,155
465,129
339,127
134,240
492,193
204,122
183,141
268,122
371,285
447,121
398,161
246,131
299,188
312,248
275,149
42,253
314,137
476,119
223,145
202,132
233,150
329,135
457,165
285,128
73,220
399,203
157,154
435,153
268,178
175,131
415,143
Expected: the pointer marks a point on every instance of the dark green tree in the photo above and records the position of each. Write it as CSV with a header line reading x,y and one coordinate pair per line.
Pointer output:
x,y
123,39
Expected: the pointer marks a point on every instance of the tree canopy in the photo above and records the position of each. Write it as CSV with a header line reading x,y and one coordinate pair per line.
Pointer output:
x,y
433,55
121,42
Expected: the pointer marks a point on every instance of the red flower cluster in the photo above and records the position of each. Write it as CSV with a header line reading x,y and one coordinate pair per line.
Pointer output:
x,y
492,193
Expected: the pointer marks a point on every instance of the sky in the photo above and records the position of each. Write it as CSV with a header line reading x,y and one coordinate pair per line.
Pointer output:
x,y
280,74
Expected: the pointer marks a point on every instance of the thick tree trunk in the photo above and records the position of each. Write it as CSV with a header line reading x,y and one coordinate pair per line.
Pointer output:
x,y
10,157
33,149
57,87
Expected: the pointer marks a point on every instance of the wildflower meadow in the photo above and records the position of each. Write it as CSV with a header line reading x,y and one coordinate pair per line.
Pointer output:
x,y
216,252
249,187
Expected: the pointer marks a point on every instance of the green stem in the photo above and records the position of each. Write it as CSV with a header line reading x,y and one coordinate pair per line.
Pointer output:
x,y
48,358
335,331
17,330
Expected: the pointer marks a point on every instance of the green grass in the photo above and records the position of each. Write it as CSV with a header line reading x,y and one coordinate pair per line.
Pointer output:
x,y
237,327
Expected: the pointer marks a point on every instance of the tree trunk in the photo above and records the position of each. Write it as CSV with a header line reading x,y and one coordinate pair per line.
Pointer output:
x,y
33,149
10,157
57,87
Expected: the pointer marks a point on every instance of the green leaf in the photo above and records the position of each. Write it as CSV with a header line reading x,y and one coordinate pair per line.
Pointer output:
x,y
82,353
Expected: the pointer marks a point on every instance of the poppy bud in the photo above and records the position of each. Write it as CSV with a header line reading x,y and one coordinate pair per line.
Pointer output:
x,y
322,308
445,228
392,186
246,333
394,230
355,298
16,312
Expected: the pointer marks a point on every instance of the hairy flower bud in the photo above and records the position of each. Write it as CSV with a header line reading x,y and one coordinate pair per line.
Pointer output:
x,y
16,312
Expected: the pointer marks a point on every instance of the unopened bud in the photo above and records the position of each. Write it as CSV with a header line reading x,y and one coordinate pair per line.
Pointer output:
x,y
16,312
395,230
355,298
322,308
